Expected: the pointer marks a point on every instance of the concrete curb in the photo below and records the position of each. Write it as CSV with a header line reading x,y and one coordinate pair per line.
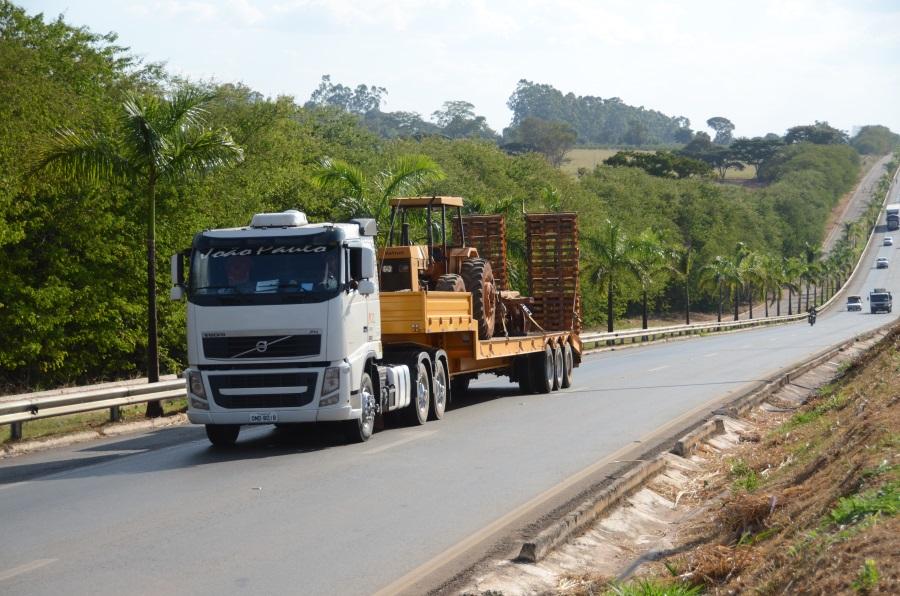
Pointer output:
x,y
688,443
585,514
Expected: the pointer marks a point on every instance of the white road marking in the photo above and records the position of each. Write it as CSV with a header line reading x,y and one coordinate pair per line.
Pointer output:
x,y
710,354
658,368
414,437
36,564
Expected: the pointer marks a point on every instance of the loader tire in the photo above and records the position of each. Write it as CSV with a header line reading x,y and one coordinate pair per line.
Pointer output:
x,y
450,283
479,280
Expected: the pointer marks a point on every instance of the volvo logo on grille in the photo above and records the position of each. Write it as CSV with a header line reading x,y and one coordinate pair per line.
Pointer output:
x,y
262,346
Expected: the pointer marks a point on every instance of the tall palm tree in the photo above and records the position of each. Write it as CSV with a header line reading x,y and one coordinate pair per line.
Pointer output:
x,y
681,263
407,174
648,259
795,269
752,275
715,274
613,258
156,140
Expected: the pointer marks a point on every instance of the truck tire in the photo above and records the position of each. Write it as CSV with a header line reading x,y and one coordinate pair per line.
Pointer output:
x,y
223,435
421,392
438,391
450,283
361,429
543,370
558,367
479,279
568,365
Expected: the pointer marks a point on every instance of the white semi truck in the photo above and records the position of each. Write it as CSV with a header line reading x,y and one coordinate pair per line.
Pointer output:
x,y
286,324
893,216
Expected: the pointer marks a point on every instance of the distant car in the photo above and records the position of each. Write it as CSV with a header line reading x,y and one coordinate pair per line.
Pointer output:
x,y
888,241
854,303
881,263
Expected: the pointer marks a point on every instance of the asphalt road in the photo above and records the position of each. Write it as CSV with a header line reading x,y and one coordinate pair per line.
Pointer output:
x,y
289,512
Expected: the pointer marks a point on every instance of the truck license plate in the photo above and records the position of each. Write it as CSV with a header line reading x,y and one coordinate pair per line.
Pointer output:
x,y
266,418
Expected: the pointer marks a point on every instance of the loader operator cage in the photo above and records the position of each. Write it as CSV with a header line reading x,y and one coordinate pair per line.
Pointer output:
x,y
402,205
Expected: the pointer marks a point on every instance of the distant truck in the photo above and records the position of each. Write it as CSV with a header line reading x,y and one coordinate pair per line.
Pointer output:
x,y
880,300
854,303
893,216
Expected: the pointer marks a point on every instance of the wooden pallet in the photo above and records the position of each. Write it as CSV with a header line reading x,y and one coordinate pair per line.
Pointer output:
x,y
552,248
487,233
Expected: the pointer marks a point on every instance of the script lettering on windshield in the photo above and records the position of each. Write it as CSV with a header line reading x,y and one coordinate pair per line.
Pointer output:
x,y
213,253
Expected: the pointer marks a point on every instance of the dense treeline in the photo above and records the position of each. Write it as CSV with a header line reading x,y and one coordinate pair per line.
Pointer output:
x,y
73,297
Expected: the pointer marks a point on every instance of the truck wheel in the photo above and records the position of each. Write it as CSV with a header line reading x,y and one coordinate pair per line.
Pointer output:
x,y
459,386
479,280
568,365
419,400
558,367
222,435
524,374
438,391
543,370
450,283
361,429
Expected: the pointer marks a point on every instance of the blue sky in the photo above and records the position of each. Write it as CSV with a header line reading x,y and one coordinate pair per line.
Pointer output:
x,y
765,65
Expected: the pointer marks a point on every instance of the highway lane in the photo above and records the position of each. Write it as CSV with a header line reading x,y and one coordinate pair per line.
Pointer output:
x,y
163,513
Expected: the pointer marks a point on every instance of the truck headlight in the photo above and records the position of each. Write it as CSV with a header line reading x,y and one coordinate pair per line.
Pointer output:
x,y
332,380
195,384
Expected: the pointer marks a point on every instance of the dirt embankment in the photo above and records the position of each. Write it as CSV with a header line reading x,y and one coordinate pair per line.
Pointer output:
x,y
808,504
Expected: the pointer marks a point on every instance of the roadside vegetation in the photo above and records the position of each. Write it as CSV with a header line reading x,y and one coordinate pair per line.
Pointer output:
x,y
74,240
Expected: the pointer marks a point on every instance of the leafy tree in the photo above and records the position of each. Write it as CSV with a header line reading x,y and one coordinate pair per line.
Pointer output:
x,y
875,140
681,262
552,139
715,274
636,134
408,174
647,261
755,151
820,133
723,128
361,100
664,164
157,140
612,260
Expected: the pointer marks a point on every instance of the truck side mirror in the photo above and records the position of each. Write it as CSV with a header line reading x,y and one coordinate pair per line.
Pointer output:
x,y
367,266
366,287
176,265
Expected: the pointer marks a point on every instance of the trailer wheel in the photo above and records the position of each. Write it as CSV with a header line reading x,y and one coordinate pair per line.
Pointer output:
x,y
568,365
543,370
361,429
222,435
421,390
479,279
450,283
438,391
558,368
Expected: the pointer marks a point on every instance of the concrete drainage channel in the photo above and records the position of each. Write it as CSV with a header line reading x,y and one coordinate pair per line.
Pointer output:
x,y
626,523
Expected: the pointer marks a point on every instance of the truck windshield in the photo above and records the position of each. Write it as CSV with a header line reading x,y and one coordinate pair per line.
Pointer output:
x,y
879,297
265,272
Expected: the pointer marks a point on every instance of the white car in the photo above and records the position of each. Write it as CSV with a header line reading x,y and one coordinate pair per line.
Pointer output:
x,y
888,241
881,263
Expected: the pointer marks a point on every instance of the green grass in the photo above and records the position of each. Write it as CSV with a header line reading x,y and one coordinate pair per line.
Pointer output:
x,y
60,425
646,587
745,478
881,501
867,578
835,401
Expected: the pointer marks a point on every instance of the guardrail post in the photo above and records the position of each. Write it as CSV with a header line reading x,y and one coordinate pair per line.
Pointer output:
x,y
15,431
115,415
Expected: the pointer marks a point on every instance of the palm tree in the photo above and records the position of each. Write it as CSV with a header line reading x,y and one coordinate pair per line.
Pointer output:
x,y
794,270
613,257
407,174
769,272
156,140
648,258
681,263
715,273
752,275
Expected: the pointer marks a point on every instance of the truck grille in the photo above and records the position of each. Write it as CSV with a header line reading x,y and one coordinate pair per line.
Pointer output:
x,y
262,346
254,391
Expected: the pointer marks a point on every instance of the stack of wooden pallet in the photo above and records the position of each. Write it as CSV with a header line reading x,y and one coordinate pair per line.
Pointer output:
x,y
487,233
552,248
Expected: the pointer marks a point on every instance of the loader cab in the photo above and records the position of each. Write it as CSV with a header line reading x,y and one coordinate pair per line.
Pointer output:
x,y
419,250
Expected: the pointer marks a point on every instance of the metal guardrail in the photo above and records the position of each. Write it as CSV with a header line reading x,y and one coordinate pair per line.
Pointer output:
x,y
15,410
